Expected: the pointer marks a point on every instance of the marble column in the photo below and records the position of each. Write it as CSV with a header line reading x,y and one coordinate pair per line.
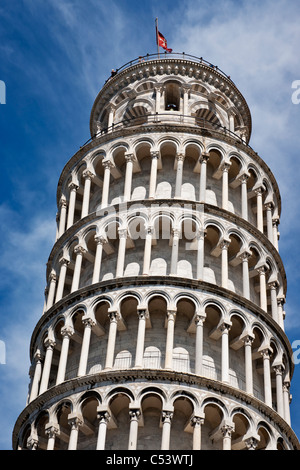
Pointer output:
x,y
225,169
279,389
166,429
37,376
225,352
104,417
129,157
84,355
179,174
72,201
106,179
110,349
263,287
66,333
171,315
133,429
139,354
227,431
196,423
49,344
80,251
200,254
51,292
248,340
88,176
147,250
62,277
62,217
121,252
75,422
153,174
175,250
259,204
100,240
199,321
267,377
51,430
203,170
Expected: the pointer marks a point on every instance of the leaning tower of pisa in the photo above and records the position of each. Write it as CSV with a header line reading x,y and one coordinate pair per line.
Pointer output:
x,y
163,324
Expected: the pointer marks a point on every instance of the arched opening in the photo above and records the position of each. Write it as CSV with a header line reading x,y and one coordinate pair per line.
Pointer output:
x,y
118,429
172,96
211,345
126,339
155,339
212,267
62,439
181,429
212,421
213,193
149,435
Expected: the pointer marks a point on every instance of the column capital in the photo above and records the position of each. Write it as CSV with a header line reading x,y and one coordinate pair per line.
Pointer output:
x,y
32,443
204,157
227,429
49,343
266,353
166,416
52,429
52,277
100,239
103,415
251,442
63,261
278,369
248,340
129,157
225,327
135,414
80,249
122,232
67,331
225,166
88,174
63,202
200,319
73,186
88,321
74,420
113,315
143,313
243,178
171,314
180,157
197,421
244,255
107,164
154,154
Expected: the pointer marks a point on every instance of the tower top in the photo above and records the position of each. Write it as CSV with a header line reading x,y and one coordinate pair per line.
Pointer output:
x,y
127,92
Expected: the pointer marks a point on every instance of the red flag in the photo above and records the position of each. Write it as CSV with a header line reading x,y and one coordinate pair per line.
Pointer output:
x,y
162,42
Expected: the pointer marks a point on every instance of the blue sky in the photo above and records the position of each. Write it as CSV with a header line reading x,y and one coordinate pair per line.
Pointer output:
x,y
54,57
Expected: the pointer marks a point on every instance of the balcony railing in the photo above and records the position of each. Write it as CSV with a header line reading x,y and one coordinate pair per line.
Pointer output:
x,y
169,117
172,55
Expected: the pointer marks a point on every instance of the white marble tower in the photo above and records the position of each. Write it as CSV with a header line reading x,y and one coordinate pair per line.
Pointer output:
x,y
163,325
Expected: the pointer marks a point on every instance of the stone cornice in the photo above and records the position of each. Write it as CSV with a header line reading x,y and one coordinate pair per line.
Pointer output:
x,y
80,384
140,281
167,128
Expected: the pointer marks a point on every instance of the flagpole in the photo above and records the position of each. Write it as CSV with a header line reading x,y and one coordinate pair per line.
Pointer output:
x,y
156,28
